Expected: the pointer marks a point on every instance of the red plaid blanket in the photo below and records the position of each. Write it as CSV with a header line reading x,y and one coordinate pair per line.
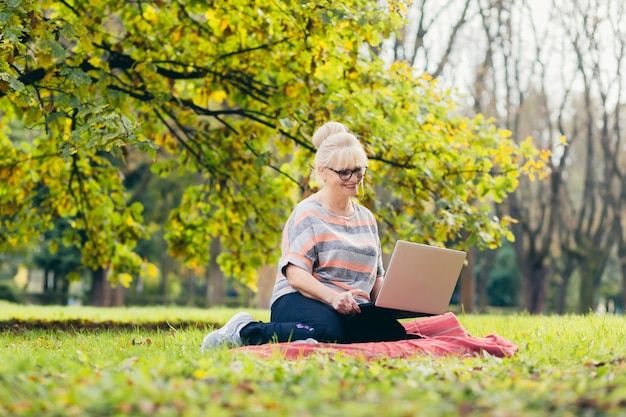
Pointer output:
x,y
442,336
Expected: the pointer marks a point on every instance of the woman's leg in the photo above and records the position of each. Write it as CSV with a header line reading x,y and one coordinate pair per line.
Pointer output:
x,y
296,317
373,326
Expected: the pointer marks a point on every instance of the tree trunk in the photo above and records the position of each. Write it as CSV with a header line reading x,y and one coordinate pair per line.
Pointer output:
x,y
190,278
623,268
488,261
267,277
590,277
215,279
621,254
166,267
45,287
586,295
99,282
561,297
102,293
467,283
536,288
114,295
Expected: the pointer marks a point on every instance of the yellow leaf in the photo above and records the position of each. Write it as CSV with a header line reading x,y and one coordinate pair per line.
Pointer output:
x,y
143,25
291,91
129,221
224,24
200,374
153,271
96,62
124,279
149,270
218,96
149,13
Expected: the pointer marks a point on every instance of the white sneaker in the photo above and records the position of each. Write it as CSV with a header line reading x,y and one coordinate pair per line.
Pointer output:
x,y
229,333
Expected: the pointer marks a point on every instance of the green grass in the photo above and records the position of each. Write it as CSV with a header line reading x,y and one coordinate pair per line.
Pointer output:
x,y
169,316
566,366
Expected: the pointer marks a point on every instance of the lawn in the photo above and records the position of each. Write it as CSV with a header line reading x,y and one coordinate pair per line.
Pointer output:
x,y
566,366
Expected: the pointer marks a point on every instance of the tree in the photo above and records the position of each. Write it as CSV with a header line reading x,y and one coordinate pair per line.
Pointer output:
x,y
593,231
412,44
60,266
533,62
424,18
504,81
233,91
612,129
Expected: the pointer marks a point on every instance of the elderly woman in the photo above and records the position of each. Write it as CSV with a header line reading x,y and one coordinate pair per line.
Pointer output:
x,y
331,261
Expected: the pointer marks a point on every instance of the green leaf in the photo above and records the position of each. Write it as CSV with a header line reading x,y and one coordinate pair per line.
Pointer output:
x,y
76,76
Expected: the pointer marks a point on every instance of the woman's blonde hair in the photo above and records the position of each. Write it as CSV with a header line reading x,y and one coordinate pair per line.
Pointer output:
x,y
337,147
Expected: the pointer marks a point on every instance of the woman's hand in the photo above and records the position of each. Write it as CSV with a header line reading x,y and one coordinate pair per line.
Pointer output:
x,y
345,303
307,285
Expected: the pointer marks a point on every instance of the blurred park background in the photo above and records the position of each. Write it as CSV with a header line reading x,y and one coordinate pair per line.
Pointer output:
x,y
220,101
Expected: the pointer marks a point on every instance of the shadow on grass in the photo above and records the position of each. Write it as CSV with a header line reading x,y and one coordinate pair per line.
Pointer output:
x,y
17,325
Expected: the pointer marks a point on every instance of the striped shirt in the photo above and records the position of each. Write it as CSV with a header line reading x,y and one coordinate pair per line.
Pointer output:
x,y
341,252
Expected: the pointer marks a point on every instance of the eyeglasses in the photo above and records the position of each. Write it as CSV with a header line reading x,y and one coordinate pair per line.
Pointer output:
x,y
346,174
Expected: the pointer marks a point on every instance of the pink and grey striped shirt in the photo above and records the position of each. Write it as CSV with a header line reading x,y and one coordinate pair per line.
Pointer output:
x,y
341,252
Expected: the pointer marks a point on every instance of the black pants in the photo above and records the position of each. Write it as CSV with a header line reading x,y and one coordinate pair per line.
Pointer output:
x,y
296,317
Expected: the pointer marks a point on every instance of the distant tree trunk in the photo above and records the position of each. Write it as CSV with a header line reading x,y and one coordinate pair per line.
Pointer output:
x,y
532,248
591,271
45,286
586,295
62,293
563,284
467,282
267,277
621,253
488,259
102,293
166,267
214,278
535,293
116,295
190,281
99,282
622,262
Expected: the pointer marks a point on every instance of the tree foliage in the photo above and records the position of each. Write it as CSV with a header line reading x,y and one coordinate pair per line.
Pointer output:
x,y
231,90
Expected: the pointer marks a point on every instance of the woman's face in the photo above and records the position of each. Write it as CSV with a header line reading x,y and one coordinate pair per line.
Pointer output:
x,y
344,180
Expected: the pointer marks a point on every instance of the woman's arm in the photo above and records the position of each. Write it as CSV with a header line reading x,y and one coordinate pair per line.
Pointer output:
x,y
307,285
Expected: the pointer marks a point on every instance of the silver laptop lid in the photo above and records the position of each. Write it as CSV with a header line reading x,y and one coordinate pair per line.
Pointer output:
x,y
420,278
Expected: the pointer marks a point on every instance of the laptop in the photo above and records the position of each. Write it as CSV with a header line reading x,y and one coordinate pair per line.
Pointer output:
x,y
419,280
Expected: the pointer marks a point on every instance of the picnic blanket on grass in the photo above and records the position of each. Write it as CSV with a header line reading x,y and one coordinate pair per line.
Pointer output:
x,y
442,335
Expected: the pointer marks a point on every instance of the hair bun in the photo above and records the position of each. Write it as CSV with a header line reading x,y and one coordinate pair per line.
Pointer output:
x,y
326,130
